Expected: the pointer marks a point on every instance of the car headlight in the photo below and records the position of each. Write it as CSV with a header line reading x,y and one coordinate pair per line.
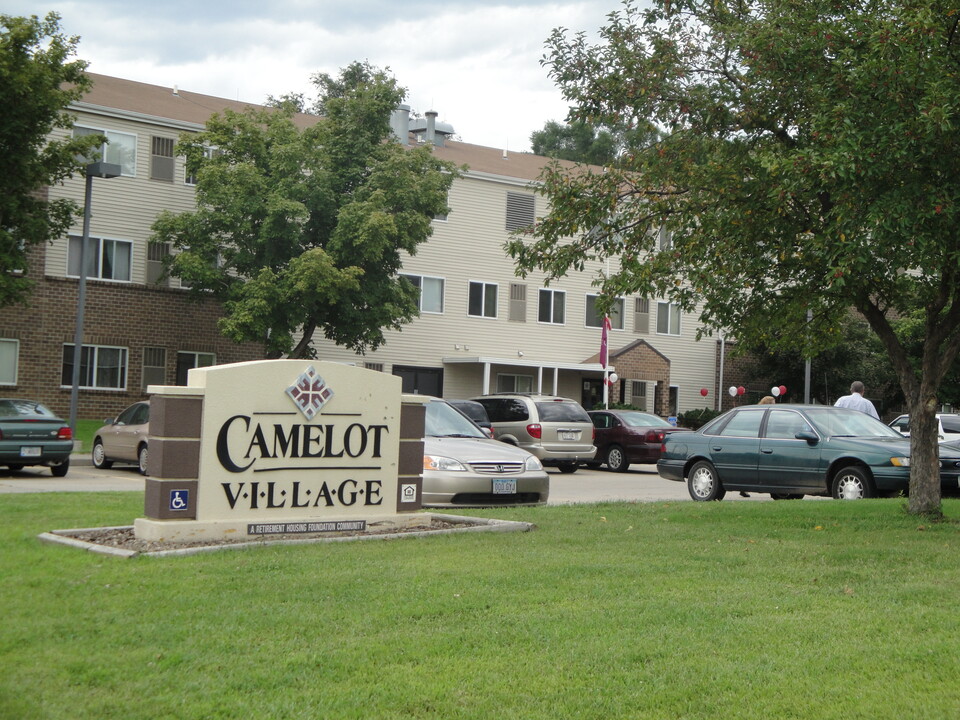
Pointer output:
x,y
900,461
533,463
438,462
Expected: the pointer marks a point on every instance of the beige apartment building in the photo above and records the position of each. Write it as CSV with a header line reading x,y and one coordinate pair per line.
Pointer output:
x,y
481,328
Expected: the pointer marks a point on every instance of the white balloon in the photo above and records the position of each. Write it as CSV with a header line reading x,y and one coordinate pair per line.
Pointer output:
x,y
732,390
775,391
613,378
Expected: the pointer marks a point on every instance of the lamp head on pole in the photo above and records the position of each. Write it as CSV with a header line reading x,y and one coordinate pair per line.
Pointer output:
x,y
103,170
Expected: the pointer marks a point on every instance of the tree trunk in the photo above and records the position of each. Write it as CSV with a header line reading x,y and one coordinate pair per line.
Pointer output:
x,y
925,493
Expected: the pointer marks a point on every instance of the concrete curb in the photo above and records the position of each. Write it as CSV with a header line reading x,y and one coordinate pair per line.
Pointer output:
x,y
471,524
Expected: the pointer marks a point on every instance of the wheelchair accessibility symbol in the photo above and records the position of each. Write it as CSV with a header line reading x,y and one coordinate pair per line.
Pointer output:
x,y
179,499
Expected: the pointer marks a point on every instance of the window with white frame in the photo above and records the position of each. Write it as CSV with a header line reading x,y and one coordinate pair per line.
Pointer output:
x,y
9,361
120,149
507,383
191,178
431,292
594,319
186,361
101,367
106,259
664,238
154,369
552,308
482,300
668,318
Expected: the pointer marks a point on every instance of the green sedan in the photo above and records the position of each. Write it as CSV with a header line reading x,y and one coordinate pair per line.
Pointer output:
x,y
30,434
794,450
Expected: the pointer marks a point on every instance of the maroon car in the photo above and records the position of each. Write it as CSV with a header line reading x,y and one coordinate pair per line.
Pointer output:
x,y
629,436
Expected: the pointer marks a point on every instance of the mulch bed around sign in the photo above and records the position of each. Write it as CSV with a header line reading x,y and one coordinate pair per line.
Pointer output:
x,y
122,538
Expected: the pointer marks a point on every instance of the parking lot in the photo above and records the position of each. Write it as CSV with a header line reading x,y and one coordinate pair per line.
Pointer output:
x,y
640,484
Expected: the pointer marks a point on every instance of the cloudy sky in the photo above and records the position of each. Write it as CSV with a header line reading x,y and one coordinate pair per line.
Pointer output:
x,y
476,63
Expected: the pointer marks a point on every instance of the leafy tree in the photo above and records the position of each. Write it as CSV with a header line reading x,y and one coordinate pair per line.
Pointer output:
x,y
809,166
37,83
583,143
299,230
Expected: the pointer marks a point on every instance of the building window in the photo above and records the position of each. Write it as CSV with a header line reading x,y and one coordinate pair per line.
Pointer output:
x,y
101,368
209,153
378,367
664,238
161,159
552,307
668,318
106,259
521,211
593,318
154,366
638,394
641,316
120,149
431,292
514,383
9,361
517,311
186,361
482,300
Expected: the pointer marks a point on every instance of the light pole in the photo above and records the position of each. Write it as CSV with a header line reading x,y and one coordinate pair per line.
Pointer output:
x,y
102,170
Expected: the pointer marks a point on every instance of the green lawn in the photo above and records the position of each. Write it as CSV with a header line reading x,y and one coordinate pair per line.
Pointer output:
x,y
84,435
811,609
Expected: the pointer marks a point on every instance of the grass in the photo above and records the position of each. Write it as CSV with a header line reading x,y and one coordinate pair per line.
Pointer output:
x,y
809,609
84,434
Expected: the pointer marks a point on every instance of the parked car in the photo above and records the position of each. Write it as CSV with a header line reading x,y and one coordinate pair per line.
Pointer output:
x,y
628,436
462,467
476,412
124,438
555,429
948,426
794,450
30,434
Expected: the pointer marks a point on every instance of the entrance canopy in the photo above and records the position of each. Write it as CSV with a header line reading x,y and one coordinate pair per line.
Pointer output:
x,y
551,376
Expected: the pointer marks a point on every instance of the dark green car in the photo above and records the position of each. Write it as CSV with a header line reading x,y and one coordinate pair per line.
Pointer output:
x,y
794,450
30,434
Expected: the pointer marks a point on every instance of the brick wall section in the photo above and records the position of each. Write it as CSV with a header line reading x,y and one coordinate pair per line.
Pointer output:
x,y
116,314
640,361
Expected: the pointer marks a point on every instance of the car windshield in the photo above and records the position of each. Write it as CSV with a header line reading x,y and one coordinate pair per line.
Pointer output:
x,y
444,421
637,419
834,422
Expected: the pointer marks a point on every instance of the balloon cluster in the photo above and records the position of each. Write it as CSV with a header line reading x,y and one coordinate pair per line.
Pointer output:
x,y
734,390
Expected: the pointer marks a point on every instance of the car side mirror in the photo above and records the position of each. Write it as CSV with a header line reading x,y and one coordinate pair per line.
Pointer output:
x,y
810,437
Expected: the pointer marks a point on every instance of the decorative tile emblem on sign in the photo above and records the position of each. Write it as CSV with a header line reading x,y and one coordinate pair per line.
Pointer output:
x,y
309,393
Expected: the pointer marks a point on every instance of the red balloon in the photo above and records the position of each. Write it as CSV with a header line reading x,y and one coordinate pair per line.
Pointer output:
x,y
783,389
741,390
704,391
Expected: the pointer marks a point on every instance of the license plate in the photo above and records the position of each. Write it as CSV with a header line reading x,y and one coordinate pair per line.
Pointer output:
x,y
505,487
30,451
569,435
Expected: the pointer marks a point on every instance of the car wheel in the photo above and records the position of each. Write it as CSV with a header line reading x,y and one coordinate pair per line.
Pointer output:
x,y
786,496
568,468
60,470
703,483
100,456
617,459
852,483
142,459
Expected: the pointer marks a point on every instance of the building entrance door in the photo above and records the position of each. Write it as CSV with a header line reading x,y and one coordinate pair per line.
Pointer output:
x,y
419,380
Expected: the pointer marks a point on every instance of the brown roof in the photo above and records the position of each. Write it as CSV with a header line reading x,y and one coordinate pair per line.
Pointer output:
x,y
190,107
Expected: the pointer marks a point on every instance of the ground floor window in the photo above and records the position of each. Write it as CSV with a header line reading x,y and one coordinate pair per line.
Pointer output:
x,y
514,383
100,367
9,359
638,394
186,361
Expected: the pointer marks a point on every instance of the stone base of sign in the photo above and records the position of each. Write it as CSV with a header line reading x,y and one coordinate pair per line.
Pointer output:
x,y
178,531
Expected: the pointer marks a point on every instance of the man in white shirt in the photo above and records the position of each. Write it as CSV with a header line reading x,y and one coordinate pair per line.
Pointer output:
x,y
856,401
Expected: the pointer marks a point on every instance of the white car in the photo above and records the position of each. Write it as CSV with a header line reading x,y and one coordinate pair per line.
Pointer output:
x,y
463,467
948,426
